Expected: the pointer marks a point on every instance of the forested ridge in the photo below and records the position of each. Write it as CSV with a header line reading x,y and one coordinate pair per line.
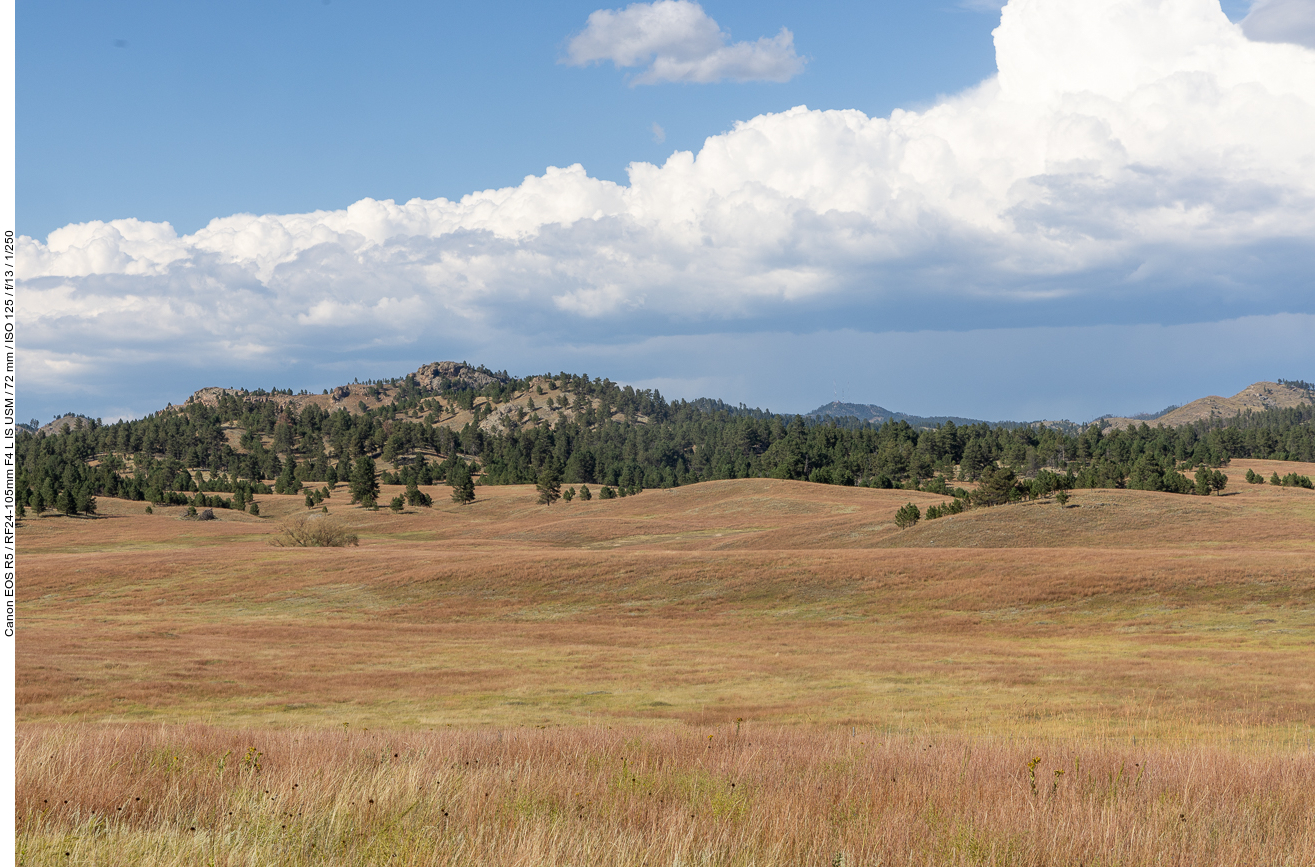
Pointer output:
x,y
599,433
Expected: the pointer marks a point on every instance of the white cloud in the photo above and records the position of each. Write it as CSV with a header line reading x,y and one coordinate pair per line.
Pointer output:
x,y
1135,161
1281,21
678,41
659,134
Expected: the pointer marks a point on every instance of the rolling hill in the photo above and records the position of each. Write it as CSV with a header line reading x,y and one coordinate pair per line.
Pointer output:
x,y
1256,397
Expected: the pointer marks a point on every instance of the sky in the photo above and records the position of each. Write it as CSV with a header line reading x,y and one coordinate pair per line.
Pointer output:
x,y
1054,209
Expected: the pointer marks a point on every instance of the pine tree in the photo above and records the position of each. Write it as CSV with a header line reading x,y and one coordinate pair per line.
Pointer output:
x,y
364,482
585,493
997,487
907,516
286,483
549,486
463,486
417,497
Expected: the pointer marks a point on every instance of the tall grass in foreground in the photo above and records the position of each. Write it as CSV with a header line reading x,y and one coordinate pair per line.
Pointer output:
x,y
150,795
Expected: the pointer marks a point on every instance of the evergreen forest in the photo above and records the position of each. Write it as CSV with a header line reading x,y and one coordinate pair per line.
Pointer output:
x,y
606,435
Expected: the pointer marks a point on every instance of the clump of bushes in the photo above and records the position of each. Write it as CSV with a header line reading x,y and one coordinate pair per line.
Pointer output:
x,y
315,531
954,507
1292,480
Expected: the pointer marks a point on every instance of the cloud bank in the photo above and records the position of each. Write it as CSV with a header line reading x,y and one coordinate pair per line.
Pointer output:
x,y
1133,162
1281,21
677,41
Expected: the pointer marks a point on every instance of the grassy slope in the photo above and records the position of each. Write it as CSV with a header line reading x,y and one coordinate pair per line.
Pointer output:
x,y
776,600
1130,628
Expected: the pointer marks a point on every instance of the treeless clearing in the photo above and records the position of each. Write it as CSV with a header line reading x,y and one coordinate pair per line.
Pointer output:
x,y
1130,621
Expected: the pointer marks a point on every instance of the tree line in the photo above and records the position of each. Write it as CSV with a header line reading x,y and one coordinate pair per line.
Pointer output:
x,y
614,436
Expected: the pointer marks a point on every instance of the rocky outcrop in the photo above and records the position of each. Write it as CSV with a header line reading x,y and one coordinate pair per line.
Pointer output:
x,y
450,374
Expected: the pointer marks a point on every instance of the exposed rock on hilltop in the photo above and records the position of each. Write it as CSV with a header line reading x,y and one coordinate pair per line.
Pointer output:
x,y
437,376
1257,397
446,374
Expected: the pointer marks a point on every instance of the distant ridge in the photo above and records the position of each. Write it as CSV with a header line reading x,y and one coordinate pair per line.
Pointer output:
x,y
870,412
1257,397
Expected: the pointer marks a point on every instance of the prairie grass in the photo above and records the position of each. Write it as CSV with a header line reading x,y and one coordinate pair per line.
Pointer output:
x,y
714,795
516,684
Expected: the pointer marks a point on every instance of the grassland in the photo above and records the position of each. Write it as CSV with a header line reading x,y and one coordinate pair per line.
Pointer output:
x,y
779,636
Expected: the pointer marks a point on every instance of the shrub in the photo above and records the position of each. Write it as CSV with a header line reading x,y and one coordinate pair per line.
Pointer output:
x,y
907,516
397,503
606,493
314,531
585,493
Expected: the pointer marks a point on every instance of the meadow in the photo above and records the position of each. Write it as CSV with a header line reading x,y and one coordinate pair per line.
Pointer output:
x,y
742,672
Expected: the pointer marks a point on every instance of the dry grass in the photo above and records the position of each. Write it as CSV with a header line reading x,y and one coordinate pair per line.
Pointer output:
x,y
1135,627
716,795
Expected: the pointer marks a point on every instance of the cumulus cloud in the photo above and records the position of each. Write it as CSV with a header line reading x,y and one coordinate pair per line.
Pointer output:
x,y
1281,21
1134,161
677,41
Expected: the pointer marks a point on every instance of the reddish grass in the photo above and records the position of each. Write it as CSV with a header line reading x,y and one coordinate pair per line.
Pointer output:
x,y
592,795
1185,623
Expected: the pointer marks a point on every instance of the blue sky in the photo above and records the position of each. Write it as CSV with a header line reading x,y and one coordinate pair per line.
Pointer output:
x,y
183,112
921,251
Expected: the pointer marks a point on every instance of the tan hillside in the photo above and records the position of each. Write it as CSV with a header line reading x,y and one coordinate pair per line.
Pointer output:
x,y
527,406
1256,397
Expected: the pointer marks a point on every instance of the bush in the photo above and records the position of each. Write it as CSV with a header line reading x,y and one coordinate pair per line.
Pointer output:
x,y
314,531
397,503
585,493
907,516
606,493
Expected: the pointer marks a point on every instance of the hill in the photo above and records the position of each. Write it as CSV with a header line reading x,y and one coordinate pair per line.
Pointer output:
x,y
75,421
1257,397
870,412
